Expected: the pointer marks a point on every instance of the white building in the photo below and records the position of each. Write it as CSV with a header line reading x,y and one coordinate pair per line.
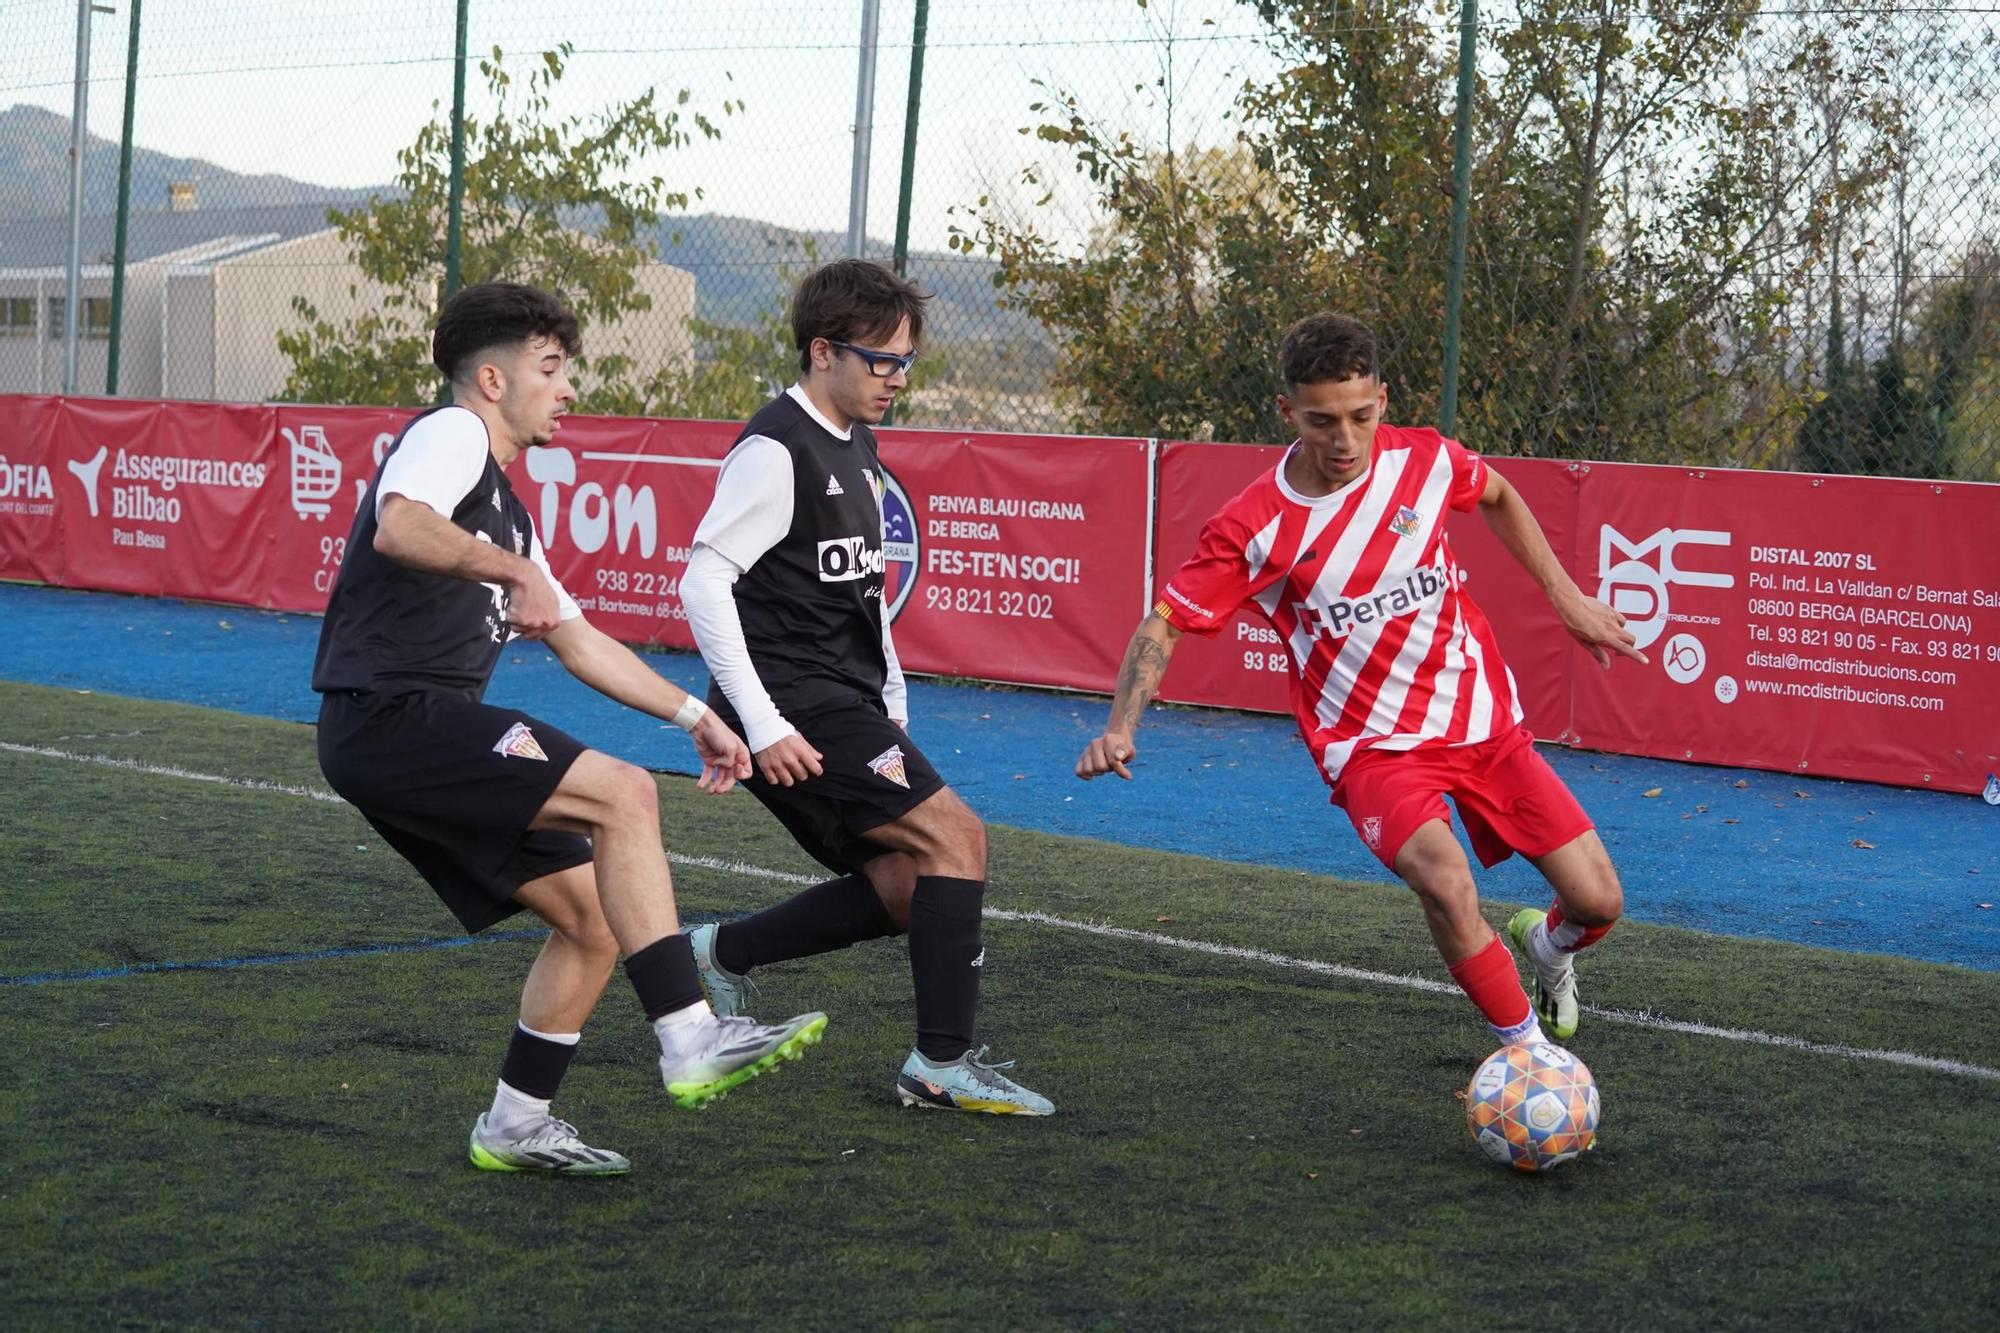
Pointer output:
x,y
202,319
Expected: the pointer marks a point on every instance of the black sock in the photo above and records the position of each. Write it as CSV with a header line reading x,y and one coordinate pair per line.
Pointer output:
x,y
664,975
535,1065
820,919
946,959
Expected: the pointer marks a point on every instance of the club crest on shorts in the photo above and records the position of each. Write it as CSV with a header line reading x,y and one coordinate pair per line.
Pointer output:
x,y
1371,831
889,764
520,743
1404,524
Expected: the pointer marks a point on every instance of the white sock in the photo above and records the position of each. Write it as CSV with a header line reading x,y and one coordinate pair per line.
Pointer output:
x,y
682,1030
514,1112
1542,950
1521,1034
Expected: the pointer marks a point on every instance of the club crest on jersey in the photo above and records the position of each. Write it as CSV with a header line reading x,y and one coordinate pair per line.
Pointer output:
x,y
889,764
1371,831
1405,523
520,743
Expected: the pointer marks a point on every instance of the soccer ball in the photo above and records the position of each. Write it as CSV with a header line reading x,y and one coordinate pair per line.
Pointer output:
x,y
1532,1106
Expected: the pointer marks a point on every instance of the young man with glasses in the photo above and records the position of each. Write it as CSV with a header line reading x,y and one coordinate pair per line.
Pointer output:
x,y
784,593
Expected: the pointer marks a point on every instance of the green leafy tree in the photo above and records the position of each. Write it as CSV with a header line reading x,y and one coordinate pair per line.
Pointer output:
x,y
546,201
1642,220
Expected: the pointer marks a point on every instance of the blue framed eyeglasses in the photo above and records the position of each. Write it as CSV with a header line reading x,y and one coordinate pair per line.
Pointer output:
x,y
881,365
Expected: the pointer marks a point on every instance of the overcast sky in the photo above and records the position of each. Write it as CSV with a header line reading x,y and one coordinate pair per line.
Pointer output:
x,y
327,93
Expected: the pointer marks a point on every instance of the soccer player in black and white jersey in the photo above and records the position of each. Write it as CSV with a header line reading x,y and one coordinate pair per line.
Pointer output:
x,y
784,592
499,811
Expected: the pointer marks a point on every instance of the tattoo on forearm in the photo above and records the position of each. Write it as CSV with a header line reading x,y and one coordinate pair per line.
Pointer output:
x,y
1138,680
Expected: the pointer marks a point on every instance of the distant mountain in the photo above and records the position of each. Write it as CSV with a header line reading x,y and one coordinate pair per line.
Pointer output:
x,y
738,263
34,175
740,266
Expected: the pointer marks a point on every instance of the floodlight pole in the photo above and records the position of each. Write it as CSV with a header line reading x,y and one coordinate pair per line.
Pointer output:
x,y
78,117
454,226
902,250
1461,200
864,131
124,203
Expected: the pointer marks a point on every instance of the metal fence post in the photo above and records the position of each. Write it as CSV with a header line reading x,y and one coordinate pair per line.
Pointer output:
x,y
1461,198
124,204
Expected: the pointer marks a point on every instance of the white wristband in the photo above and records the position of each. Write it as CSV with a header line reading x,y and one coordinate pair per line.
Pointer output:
x,y
691,714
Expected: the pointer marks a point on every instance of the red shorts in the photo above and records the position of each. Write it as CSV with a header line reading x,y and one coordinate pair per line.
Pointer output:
x,y
1508,797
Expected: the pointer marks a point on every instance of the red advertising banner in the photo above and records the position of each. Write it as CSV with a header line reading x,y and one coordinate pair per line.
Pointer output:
x,y
1245,665
1842,626
1006,555
31,505
322,459
616,502
1834,625
1015,557
1533,641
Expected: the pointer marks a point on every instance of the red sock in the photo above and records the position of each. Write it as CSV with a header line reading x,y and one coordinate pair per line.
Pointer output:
x,y
1489,978
1567,936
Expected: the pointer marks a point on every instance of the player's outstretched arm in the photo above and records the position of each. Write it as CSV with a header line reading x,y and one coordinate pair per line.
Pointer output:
x,y
413,534
1139,679
615,671
1598,627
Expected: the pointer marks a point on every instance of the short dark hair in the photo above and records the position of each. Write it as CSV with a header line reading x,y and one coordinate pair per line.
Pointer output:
x,y
1323,348
499,314
857,301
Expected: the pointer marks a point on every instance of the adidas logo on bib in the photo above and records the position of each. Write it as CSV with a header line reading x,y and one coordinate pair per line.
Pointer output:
x,y
833,485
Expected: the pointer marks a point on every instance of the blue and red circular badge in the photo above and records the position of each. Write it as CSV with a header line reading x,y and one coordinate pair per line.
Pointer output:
x,y
900,557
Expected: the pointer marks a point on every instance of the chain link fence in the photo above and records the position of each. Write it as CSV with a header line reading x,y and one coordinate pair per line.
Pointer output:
x,y
1699,233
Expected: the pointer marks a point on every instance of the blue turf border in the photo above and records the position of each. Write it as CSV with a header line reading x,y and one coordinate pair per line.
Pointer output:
x,y
1775,857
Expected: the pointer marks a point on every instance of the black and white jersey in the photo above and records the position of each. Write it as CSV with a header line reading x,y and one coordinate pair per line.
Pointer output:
x,y
390,627
810,596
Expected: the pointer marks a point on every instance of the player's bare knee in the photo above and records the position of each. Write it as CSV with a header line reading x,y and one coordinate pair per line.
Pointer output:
x,y
1447,890
894,878
1601,902
633,798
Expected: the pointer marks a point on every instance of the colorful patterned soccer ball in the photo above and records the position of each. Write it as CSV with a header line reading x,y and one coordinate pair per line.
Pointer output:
x,y
1532,1106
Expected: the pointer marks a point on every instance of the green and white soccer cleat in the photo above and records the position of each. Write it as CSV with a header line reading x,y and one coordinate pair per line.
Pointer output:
x,y
1555,991
728,992
735,1050
551,1145
968,1083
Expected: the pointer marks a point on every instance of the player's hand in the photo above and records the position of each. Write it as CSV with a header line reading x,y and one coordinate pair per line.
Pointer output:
x,y
531,605
788,760
1109,753
724,756
1600,629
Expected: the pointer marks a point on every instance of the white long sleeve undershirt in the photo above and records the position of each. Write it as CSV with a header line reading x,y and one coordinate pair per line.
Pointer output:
x,y
708,593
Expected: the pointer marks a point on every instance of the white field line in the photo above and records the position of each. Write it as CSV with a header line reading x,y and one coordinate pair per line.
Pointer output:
x,y
1627,1017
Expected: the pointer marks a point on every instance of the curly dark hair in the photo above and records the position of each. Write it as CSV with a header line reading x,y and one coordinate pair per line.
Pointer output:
x,y
498,314
857,301
1324,348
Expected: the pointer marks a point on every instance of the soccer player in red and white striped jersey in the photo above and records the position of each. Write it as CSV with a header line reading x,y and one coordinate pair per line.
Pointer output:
x,y
1398,686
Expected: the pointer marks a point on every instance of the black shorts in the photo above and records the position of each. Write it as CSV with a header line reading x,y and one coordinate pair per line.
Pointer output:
x,y
453,785
872,774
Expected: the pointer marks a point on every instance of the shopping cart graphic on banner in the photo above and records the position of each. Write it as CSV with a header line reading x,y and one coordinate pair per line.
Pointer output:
x,y
315,472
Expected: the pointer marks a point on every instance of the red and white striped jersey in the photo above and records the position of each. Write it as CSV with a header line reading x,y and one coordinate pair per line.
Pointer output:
x,y
1388,651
